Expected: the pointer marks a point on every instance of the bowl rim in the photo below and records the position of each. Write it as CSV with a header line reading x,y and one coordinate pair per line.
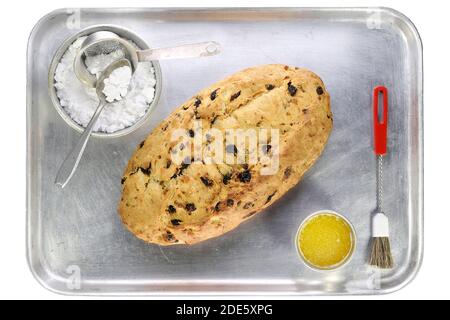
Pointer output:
x,y
338,266
125,33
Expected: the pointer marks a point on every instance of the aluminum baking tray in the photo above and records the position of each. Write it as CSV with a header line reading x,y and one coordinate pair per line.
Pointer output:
x,y
76,242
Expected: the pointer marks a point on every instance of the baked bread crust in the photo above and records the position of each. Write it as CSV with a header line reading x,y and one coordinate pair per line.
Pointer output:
x,y
169,204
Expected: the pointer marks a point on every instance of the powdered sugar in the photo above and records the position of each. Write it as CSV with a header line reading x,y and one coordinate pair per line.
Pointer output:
x,y
96,64
80,101
116,85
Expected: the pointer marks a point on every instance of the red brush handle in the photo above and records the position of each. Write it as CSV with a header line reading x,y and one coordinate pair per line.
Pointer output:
x,y
380,126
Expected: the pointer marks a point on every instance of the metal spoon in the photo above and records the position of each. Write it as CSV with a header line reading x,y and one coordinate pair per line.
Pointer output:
x,y
104,42
72,160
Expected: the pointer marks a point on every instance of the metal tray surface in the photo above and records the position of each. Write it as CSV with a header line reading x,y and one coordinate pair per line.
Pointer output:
x,y
76,242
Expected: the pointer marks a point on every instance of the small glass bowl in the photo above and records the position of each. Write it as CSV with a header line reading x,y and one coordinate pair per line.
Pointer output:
x,y
333,267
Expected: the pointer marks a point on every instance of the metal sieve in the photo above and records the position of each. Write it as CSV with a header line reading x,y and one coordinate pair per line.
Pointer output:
x,y
104,42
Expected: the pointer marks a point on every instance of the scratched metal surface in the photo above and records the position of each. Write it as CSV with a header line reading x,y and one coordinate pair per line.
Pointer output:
x,y
76,242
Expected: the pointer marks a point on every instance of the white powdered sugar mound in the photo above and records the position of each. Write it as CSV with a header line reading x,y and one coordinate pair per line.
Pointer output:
x,y
80,101
116,85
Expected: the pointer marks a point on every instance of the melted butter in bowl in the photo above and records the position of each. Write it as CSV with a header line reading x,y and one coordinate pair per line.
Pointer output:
x,y
325,240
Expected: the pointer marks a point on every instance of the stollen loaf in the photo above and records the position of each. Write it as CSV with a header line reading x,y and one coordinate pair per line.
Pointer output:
x,y
194,177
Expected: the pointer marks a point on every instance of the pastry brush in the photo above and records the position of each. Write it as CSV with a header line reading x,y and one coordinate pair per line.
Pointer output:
x,y
380,256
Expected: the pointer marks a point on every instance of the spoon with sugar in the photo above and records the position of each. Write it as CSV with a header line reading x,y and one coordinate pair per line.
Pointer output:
x,y
111,86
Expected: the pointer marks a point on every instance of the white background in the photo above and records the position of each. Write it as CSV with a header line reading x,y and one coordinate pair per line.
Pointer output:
x,y
431,19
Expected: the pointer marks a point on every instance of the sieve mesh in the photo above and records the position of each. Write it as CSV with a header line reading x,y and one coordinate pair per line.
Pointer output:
x,y
104,47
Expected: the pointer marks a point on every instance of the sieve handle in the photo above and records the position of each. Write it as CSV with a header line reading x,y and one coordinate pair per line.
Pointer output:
x,y
194,50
